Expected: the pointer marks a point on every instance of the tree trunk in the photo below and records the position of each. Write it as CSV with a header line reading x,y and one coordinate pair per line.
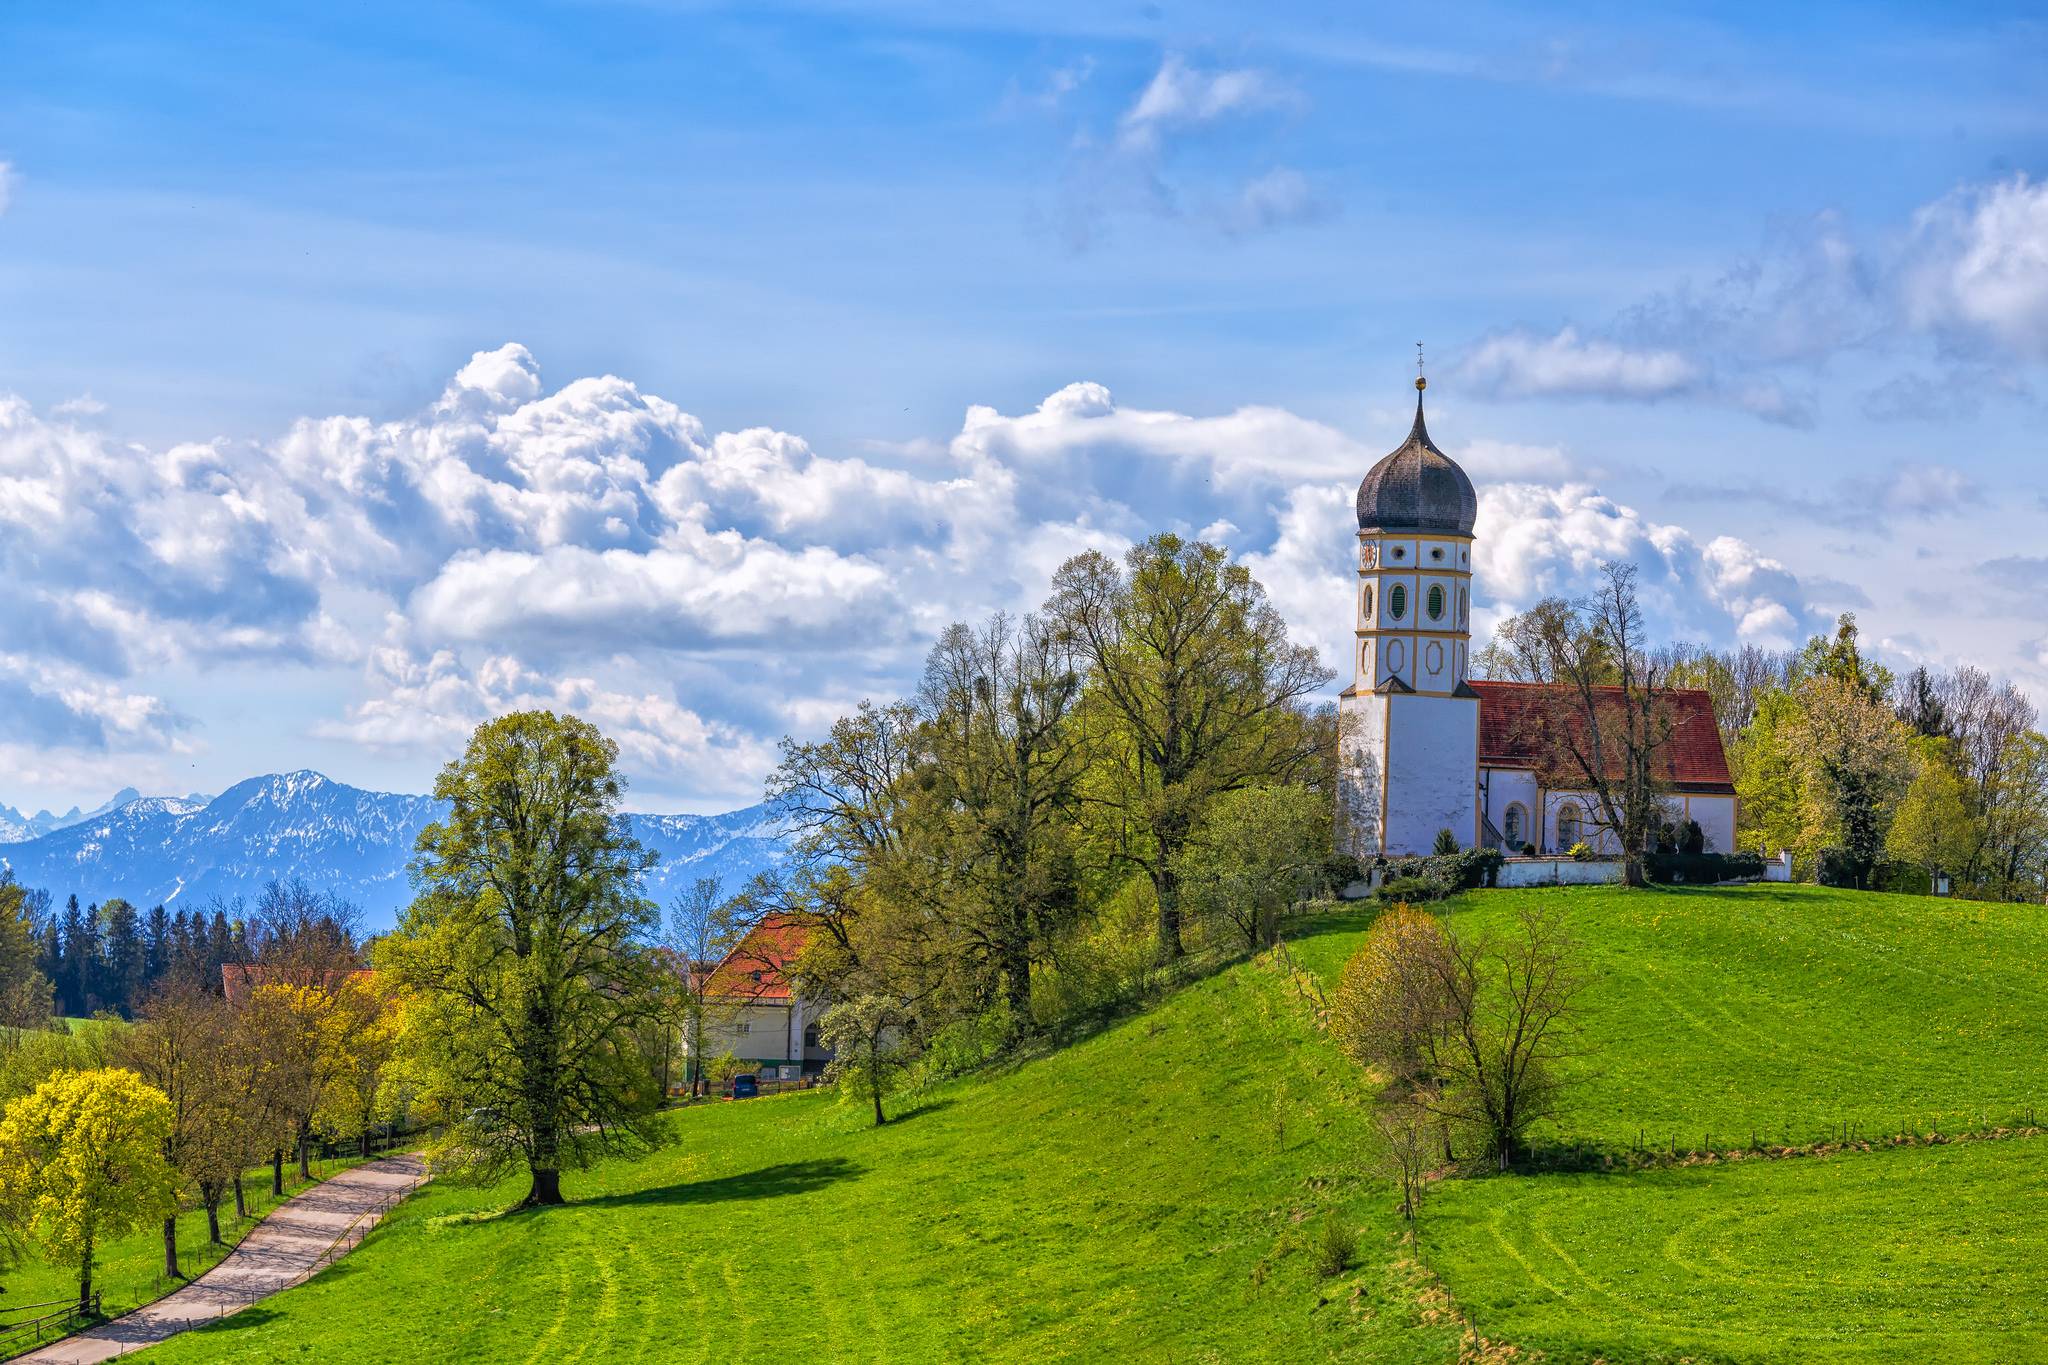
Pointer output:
x,y
277,1173
85,1277
365,1147
1632,870
171,1246
305,1144
241,1201
1166,890
213,1220
547,1188
876,1092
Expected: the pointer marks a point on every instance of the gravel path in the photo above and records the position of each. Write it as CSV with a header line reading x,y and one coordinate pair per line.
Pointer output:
x,y
298,1238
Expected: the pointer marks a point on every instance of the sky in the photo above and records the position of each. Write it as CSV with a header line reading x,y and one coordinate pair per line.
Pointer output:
x,y
367,372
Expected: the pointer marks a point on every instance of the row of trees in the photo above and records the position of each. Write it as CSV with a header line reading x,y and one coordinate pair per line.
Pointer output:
x,y
1147,739
113,1124
1851,767
109,958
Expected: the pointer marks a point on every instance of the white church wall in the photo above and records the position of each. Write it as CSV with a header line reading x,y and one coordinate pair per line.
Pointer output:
x,y
1432,769
1593,831
1361,729
1513,786
1716,815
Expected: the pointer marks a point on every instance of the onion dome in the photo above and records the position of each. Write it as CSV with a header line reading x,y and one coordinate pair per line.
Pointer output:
x,y
1417,487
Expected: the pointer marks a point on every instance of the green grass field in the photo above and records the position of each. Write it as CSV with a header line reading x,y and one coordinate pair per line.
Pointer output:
x,y
1784,1010
1153,1192
1149,1194
1927,1254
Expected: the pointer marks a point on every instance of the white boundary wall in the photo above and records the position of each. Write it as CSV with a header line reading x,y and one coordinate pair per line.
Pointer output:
x,y
1557,872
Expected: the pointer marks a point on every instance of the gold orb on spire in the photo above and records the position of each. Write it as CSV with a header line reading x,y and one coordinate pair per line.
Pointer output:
x,y
1420,383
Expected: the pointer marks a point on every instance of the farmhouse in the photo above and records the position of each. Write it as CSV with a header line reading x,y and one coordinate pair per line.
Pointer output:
x,y
753,1008
1425,746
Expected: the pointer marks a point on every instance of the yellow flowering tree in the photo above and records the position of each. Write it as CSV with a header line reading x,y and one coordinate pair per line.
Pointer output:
x,y
82,1161
360,1034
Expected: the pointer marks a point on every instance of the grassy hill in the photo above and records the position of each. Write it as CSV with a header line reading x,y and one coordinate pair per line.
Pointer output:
x,y
1787,1011
1154,1192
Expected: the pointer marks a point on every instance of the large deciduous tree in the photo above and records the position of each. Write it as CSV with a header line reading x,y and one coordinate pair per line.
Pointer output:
x,y
1195,690
82,1162
530,945
997,791
1605,723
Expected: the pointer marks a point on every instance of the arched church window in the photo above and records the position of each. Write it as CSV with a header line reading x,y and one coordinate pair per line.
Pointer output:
x,y
1365,603
1571,825
1514,824
1436,602
1464,606
1397,601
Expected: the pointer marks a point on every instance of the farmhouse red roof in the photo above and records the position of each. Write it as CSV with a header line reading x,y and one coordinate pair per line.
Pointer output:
x,y
758,966
1515,717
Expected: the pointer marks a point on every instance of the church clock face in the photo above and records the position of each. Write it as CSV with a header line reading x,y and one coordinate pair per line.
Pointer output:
x,y
1369,556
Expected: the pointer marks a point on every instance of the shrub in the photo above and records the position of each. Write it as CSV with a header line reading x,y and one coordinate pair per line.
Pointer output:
x,y
1338,871
1338,1245
1413,890
1446,844
1389,997
1528,850
1840,867
1581,852
1702,867
1908,879
1461,871
1693,840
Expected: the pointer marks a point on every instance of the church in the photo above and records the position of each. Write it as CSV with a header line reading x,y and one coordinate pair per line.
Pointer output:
x,y
1427,747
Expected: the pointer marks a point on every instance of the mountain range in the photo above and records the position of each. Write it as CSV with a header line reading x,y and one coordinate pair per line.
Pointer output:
x,y
184,851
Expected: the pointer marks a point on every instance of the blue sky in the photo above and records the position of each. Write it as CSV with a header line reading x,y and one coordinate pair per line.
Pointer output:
x,y
1758,294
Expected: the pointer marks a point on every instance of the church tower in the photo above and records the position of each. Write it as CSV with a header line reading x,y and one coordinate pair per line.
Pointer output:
x,y
1410,724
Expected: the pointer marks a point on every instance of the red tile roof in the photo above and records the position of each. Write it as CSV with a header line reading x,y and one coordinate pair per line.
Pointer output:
x,y
759,965
1515,717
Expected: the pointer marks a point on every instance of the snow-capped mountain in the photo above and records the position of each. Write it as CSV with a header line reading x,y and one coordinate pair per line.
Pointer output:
x,y
341,839
15,827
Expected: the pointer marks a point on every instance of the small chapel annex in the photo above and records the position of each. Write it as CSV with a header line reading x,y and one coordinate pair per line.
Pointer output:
x,y
1426,747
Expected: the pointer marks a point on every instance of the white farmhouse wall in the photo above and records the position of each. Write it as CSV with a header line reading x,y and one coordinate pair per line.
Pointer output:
x,y
1432,752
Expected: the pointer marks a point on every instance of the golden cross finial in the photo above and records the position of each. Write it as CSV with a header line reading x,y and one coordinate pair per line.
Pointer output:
x,y
1421,383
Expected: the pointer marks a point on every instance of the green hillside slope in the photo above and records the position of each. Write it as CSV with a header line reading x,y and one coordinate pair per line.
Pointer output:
x,y
1788,1011
1155,1192
1150,1194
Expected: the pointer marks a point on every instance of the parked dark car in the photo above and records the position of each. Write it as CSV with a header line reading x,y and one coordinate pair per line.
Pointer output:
x,y
744,1087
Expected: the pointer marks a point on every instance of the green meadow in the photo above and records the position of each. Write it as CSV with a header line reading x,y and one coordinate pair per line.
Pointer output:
x,y
1157,1191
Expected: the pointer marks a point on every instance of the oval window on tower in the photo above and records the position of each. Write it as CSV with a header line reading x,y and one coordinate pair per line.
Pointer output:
x,y
1365,603
1397,656
1436,602
1464,607
1397,601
